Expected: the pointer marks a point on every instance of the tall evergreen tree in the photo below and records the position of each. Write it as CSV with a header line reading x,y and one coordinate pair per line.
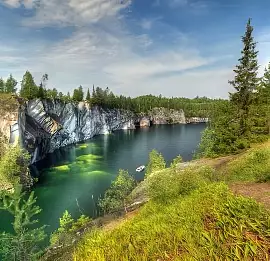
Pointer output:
x,y
245,81
264,98
29,89
22,244
78,94
2,85
10,86
88,97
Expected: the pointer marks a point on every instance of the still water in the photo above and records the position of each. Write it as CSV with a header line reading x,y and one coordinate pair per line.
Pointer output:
x,y
74,177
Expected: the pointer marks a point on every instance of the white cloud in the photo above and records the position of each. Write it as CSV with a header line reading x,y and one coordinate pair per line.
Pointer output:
x,y
103,52
29,4
75,12
146,24
11,3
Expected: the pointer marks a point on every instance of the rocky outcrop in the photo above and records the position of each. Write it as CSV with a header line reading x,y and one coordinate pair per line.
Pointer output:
x,y
46,125
197,120
42,126
166,116
145,122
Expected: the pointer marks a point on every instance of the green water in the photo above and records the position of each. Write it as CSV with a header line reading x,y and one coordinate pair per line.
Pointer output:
x,y
74,177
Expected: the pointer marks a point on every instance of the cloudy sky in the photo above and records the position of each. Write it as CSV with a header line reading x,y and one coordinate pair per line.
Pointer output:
x,y
169,47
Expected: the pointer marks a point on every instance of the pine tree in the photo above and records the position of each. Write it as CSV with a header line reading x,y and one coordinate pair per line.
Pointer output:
x,y
29,89
88,97
22,244
78,94
2,85
264,98
10,86
245,81
41,92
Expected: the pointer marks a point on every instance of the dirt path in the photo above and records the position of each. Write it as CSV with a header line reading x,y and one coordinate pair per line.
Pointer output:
x,y
258,191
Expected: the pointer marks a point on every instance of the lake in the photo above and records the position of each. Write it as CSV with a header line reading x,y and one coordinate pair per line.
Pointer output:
x,y
75,177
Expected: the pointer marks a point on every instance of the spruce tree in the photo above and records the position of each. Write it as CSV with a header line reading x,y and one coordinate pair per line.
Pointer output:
x,y
264,98
22,244
29,89
88,97
10,86
78,94
2,85
245,81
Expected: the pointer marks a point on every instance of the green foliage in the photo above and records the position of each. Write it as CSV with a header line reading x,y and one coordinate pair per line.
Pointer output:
x,y
156,162
2,85
245,81
68,228
88,97
176,161
209,223
243,120
23,243
78,94
29,89
13,165
10,85
252,166
168,185
115,196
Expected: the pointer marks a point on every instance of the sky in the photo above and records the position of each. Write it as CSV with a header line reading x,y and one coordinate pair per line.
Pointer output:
x,y
183,48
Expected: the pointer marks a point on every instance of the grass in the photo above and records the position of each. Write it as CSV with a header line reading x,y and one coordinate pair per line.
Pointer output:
x,y
254,165
209,224
191,215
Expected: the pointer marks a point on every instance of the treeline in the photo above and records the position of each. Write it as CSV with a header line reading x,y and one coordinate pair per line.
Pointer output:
x,y
245,118
199,107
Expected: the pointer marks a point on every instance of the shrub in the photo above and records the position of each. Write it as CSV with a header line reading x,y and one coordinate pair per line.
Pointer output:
x,y
168,184
14,165
68,228
156,162
176,161
115,196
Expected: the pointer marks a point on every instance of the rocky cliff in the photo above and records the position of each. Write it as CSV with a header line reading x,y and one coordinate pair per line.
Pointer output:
x,y
42,126
45,125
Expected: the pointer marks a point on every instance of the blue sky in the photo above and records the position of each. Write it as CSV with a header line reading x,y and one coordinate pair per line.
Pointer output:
x,y
169,47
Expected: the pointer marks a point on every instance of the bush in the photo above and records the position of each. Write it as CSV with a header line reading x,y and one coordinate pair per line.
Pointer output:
x,y
176,161
68,228
115,196
156,162
14,166
168,184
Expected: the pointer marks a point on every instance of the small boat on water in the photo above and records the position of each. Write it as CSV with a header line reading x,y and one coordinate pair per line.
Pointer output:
x,y
141,168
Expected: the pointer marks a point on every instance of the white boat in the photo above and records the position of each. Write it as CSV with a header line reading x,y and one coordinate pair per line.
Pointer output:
x,y
141,168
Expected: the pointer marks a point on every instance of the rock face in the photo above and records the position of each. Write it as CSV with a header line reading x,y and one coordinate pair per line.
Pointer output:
x,y
46,125
41,126
145,122
197,120
167,116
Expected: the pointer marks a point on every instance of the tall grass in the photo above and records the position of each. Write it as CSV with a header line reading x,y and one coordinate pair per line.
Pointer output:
x,y
188,218
254,165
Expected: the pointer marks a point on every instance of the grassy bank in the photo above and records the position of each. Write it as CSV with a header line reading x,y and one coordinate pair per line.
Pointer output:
x,y
192,215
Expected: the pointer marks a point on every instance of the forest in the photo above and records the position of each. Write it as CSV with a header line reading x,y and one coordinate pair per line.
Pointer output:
x,y
196,107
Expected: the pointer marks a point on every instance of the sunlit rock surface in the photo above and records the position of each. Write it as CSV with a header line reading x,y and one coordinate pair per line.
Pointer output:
x,y
46,125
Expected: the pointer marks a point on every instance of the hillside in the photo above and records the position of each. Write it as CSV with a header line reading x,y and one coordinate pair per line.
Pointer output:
x,y
194,211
